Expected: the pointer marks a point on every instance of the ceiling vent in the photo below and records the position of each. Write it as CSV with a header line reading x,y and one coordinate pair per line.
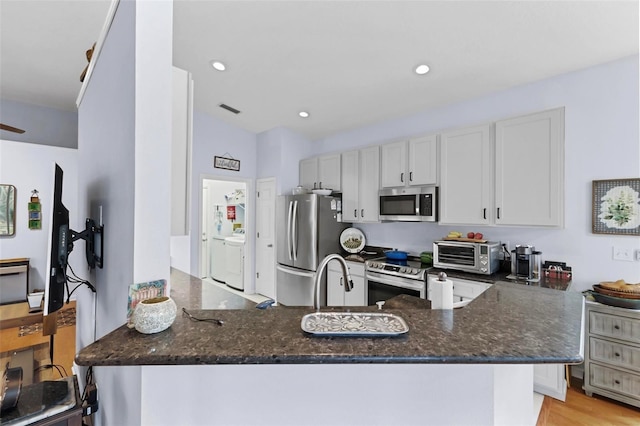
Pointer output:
x,y
228,108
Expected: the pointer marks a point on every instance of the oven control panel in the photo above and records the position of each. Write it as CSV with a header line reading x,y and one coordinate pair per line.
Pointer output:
x,y
397,270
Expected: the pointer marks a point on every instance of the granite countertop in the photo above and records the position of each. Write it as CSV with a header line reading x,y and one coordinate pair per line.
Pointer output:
x,y
506,324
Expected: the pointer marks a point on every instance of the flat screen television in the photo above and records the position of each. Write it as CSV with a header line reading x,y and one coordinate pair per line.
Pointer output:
x,y
58,244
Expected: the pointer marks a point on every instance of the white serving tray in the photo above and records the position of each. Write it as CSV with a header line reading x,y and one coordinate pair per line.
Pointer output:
x,y
353,324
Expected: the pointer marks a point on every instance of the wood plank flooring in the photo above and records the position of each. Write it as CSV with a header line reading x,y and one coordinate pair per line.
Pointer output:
x,y
582,410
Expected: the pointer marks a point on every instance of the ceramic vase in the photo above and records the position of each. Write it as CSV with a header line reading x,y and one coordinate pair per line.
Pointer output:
x,y
154,315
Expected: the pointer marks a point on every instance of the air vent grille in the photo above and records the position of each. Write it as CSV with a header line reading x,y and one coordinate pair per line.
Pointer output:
x,y
228,108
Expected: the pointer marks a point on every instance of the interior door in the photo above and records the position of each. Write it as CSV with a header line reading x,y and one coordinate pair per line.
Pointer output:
x,y
265,237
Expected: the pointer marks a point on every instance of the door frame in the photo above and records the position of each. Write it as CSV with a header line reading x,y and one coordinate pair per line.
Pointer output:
x,y
273,228
249,215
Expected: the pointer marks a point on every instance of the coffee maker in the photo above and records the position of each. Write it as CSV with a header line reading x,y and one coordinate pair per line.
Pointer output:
x,y
525,263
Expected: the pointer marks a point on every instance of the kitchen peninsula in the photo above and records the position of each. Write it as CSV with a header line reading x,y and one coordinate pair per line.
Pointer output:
x,y
479,357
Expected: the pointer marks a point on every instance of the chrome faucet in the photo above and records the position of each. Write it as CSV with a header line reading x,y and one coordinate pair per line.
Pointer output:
x,y
348,283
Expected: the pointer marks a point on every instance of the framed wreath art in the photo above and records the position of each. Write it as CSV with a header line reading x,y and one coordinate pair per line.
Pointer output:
x,y
616,207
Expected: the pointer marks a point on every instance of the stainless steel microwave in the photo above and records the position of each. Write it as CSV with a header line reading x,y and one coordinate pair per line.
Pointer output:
x,y
417,204
478,258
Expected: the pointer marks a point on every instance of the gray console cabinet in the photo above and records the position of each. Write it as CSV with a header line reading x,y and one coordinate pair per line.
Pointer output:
x,y
612,353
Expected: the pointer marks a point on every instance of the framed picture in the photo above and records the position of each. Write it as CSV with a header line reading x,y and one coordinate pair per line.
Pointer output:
x,y
616,207
226,163
142,291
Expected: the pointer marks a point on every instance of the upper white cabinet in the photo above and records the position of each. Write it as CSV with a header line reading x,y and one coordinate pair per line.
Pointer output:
x,y
360,184
409,163
181,151
466,171
518,180
529,187
321,172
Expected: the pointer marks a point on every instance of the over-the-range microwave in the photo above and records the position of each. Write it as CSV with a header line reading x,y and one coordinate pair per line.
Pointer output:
x,y
417,204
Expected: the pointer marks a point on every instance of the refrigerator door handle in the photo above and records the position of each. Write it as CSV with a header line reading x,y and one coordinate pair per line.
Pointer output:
x,y
294,233
307,274
289,252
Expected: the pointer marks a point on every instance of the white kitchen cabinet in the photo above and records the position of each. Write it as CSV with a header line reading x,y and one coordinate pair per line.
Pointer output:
x,y
463,290
410,163
321,172
360,184
526,156
549,379
336,295
466,176
612,353
529,170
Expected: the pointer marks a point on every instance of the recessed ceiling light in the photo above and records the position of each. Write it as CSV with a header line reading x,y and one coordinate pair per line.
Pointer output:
x,y
303,114
422,69
218,65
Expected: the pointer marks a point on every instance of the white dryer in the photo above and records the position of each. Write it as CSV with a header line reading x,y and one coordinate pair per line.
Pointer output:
x,y
234,248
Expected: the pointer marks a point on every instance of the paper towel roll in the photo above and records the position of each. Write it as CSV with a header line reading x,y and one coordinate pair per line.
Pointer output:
x,y
440,293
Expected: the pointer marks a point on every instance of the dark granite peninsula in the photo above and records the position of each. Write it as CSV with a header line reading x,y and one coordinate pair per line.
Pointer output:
x,y
482,353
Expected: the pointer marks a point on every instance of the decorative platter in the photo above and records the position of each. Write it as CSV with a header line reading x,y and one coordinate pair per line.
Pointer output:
x,y
352,240
353,324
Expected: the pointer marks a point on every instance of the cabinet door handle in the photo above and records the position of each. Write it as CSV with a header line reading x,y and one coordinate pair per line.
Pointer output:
x,y
340,281
617,354
484,212
401,177
410,176
320,185
361,212
355,212
314,185
498,212
617,327
617,382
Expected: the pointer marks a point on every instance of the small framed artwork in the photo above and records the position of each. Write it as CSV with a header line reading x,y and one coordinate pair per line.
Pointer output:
x,y
616,207
226,163
141,291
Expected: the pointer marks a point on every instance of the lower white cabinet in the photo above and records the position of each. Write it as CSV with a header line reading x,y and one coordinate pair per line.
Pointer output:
x,y
612,353
550,379
336,295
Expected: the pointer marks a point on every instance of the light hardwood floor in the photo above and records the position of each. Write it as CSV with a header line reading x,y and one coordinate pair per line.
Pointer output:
x,y
582,410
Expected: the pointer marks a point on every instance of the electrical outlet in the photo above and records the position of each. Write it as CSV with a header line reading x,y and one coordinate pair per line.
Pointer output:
x,y
622,253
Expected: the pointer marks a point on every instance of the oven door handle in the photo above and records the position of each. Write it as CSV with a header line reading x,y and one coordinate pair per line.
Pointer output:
x,y
395,282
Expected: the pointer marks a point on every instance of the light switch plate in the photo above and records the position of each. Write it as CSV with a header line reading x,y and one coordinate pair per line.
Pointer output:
x,y
622,253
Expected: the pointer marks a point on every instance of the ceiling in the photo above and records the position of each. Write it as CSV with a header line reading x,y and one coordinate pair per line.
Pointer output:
x,y
348,63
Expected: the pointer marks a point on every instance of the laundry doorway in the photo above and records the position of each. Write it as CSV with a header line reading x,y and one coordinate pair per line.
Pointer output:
x,y
225,217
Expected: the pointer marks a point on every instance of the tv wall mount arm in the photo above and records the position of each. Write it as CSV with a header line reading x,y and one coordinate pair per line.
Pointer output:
x,y
91,230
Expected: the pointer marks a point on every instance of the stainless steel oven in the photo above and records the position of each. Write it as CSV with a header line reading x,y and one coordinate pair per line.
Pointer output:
x,y
386,279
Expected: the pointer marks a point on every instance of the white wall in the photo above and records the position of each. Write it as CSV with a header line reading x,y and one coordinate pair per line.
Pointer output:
x,y
280,151
124,144
601,142
213,137
30,166
42,125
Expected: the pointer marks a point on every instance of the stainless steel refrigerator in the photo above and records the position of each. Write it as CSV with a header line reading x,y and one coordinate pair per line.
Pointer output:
x,y
308,230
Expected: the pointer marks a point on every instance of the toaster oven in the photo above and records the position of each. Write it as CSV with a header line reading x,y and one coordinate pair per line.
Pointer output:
x,y
478,258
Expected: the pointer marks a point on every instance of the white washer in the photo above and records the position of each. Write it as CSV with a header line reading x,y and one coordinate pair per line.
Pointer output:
x,y
234,248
